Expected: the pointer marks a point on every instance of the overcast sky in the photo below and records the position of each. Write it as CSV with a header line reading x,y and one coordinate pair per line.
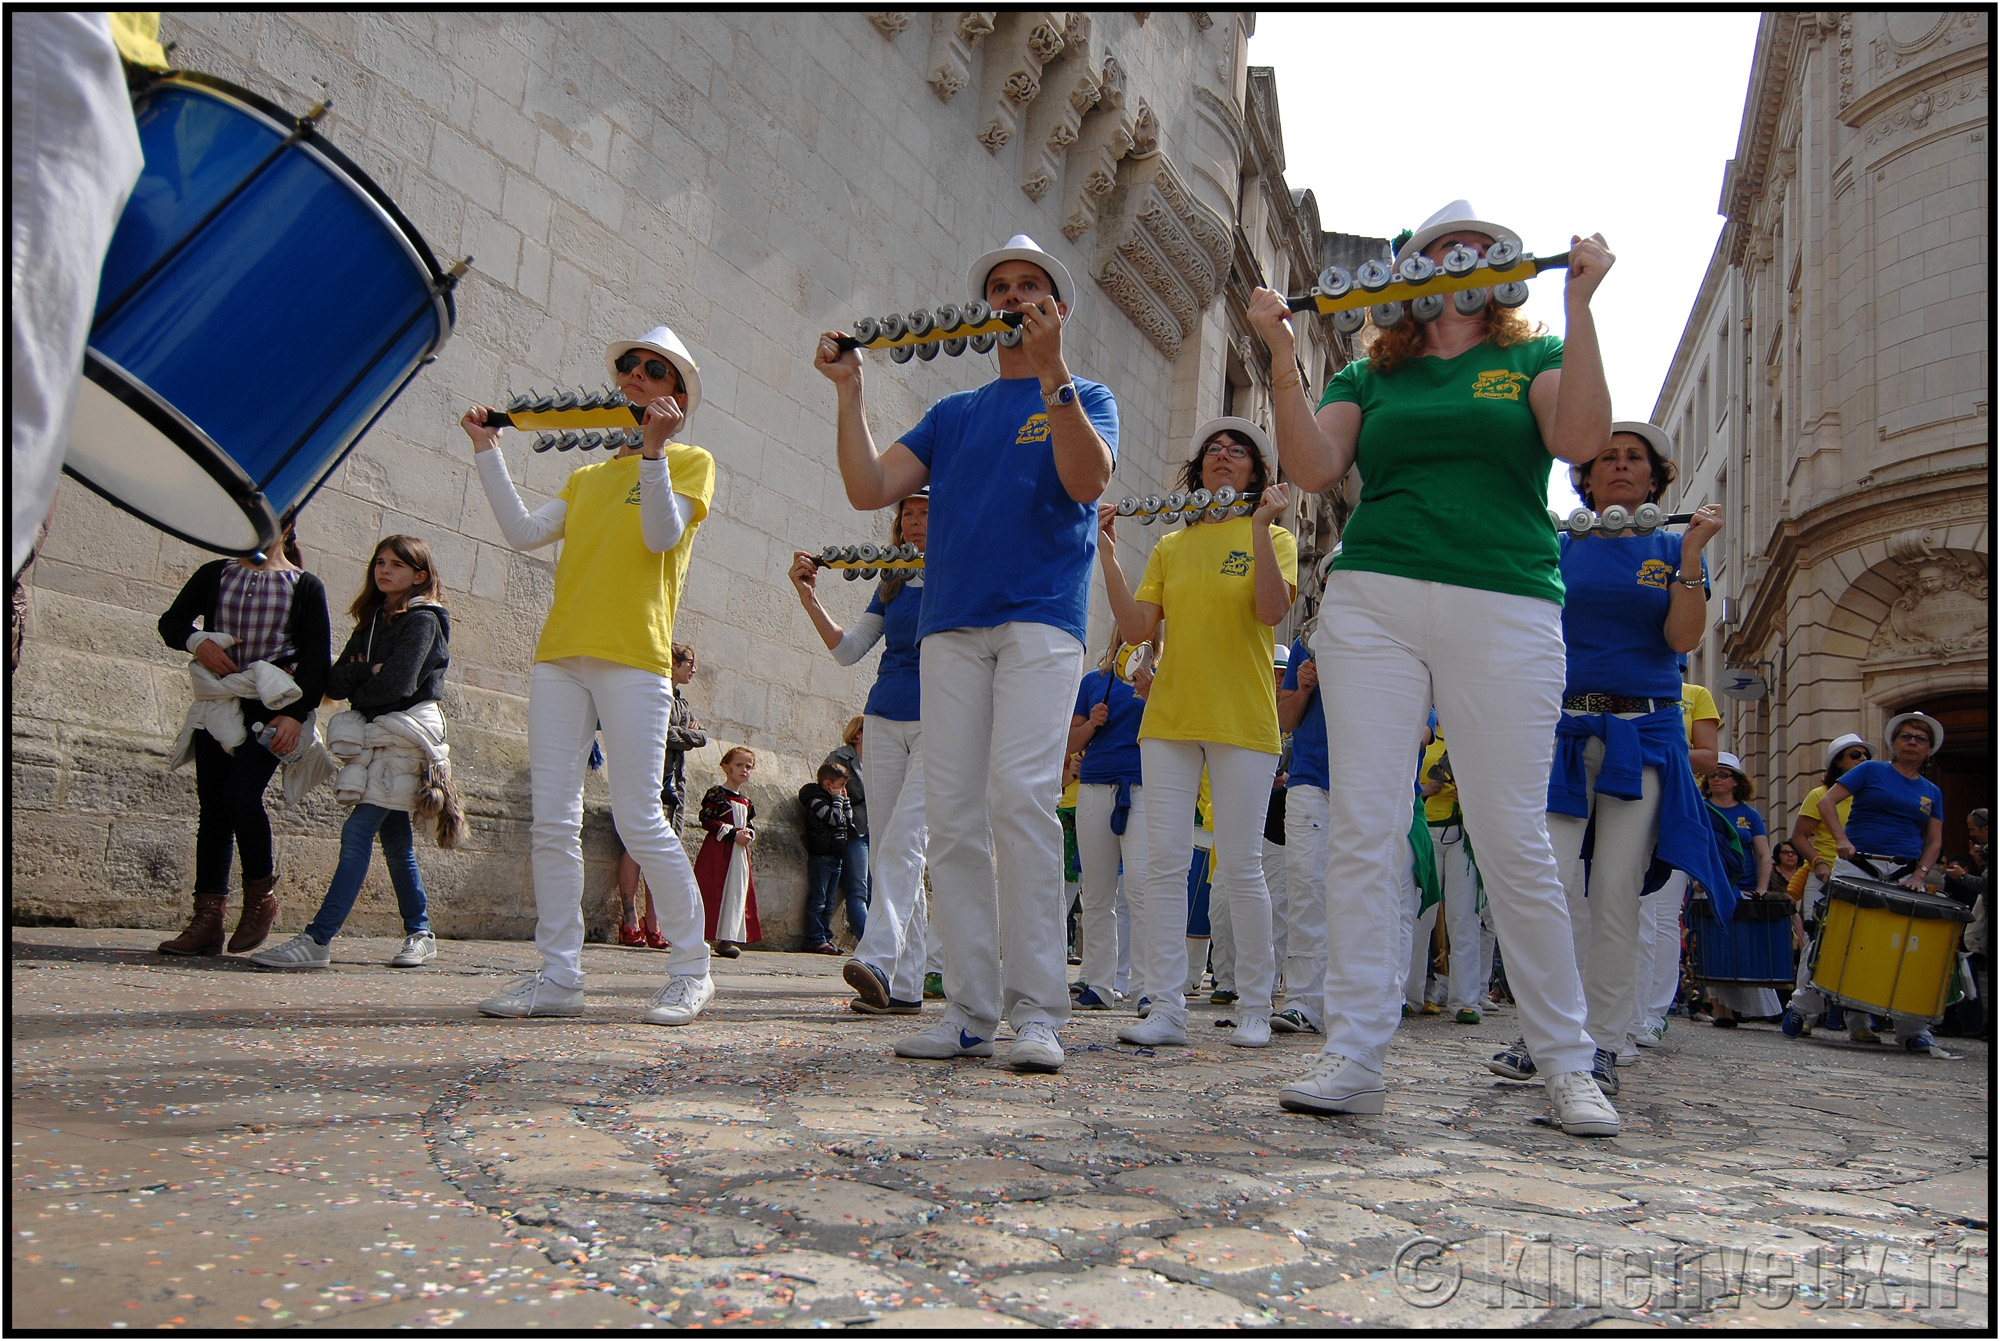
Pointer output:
x,y
1550,123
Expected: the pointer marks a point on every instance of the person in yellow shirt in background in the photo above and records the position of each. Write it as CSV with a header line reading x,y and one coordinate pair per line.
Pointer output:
x,y
1660,911
606,656
1222,585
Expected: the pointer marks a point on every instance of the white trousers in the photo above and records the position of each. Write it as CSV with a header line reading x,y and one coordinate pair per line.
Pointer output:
x,y
1389,648
567,699
1463,930
1659,970
1604,926
897,937
1305,897
1239,786
1275,880
73,155
996,716
1100,852
1223,930
1423,935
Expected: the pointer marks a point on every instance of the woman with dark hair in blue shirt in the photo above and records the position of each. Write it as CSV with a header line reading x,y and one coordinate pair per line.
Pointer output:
x,y
1632,604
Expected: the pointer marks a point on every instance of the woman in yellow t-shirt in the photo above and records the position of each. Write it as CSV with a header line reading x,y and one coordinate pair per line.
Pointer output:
x,y
1222,585
606,658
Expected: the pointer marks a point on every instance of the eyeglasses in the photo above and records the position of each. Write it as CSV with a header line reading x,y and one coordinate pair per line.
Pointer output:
x,y
1914,737
655,368
1235,451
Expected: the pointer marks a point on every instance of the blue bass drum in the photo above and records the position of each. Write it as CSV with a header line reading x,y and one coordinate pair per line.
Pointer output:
x,y
262,303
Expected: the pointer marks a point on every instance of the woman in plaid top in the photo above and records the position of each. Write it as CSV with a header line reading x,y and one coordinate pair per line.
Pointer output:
x,y
273,611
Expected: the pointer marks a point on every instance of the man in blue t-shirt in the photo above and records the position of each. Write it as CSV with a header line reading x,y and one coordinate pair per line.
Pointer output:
x,y
1015,468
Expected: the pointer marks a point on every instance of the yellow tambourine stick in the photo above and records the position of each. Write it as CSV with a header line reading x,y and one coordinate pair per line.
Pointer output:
x,y
1419,287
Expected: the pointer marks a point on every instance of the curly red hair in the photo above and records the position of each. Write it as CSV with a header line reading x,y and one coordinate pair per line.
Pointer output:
x,y
1389,347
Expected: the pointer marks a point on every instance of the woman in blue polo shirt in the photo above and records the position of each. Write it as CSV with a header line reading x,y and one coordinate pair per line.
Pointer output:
x,y
1110,813
887,971
1896,826
1632,604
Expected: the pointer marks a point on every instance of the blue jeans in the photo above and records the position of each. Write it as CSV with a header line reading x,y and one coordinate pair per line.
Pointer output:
x,y
854,884
356,841
822,876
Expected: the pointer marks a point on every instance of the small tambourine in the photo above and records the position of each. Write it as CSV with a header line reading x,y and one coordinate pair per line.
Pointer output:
x,y
869,561
1221,505
1417,286
1134,660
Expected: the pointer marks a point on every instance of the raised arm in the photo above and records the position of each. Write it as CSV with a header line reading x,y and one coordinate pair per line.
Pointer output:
x,y
873,479
1572,404
1136,619
1083,458
1316,450
519,527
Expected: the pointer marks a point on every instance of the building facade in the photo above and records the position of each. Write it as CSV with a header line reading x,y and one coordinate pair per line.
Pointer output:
x,y
1832,391
749,179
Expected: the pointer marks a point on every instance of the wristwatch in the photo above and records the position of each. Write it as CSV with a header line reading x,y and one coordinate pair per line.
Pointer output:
x,y
1062,395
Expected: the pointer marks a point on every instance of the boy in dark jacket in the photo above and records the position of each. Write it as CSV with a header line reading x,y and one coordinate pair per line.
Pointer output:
x,y
829,825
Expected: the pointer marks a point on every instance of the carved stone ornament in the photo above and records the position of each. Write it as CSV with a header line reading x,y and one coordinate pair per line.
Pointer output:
x,y
995,134
1918,111
1203,20
1940,610
1846,61
1104,136
1038,185
1163,255
890,22
954,36
1044,42
1022,86
1071,87
1010,77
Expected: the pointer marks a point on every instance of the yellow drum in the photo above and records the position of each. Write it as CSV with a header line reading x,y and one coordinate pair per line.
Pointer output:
x,y
1886,949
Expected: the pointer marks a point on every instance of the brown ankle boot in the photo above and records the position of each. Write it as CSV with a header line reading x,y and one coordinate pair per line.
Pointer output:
x,y
204,932
260,910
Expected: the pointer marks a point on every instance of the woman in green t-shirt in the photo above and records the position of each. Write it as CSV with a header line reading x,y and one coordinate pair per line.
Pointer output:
x,y
1446,594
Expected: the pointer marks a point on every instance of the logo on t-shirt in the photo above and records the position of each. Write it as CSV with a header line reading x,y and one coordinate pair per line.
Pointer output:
x,y
1655,573
1035,430
1236,565
633,497
1498,384
1924,804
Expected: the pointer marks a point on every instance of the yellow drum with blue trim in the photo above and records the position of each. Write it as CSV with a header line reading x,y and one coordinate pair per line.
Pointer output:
x,y
1886,949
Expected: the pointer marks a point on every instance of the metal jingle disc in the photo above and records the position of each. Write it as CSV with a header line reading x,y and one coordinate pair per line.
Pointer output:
x,y
1460,260
1388,314
955,346
1201,498
946,316
928,350
982,343
870,574
919,322
1350,320
1582,522
893,327
902,353
1511,294
1555,519
909,552
831,554
1009,338
544,441
1374,276
851,574
1148,518
1503,254
1127,506
1242,509
568,441
1334,281
1416,268
1427,306
867,553
564,401
1646,518
1614,518
866,329
851,554
1176,501
519,404
590,441
1152,503
1224,496
1471,302
975,313
1217,514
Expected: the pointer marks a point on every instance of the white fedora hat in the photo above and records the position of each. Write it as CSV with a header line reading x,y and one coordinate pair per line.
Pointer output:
x,y
1457,215
1244,428
668,346
1842,744
1931,724
1655,437
1021,247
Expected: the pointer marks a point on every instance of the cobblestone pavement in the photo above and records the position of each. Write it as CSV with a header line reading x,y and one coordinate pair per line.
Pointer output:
x,y
358,1148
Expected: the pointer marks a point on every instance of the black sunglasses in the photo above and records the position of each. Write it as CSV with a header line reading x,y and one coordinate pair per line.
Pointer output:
x,y
655,368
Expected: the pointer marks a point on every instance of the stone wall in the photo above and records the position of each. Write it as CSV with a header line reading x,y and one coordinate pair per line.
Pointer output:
x,y
747,178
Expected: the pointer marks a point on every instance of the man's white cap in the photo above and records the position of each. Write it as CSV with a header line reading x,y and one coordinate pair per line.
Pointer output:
x,y
1458,214
1655,437
1931,724
1230,423
1021,247
1843,743
669,347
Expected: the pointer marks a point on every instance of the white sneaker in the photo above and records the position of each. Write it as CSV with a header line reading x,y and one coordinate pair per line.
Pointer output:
x,y
1651,1035
1335,1084
534,995
1580,1106
1036,1048
680,999
1629,1057
300,952
943,1041
1292,1020
419,948
1252,1031
1155,1031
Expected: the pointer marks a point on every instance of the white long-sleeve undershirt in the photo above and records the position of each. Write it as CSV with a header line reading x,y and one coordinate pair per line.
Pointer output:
x,y
662,514
858,637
